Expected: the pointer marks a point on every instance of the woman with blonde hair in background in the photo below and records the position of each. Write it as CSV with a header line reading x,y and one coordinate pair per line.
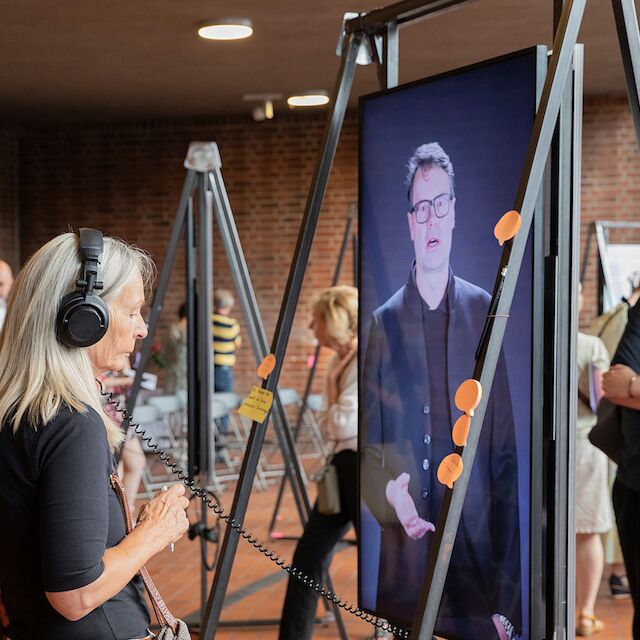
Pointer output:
x,y
67,570
335,325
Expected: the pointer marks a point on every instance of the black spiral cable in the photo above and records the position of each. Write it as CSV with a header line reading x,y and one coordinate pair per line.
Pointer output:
x,y
213,503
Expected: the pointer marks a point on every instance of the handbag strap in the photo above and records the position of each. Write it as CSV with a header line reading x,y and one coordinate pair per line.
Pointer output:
x,y
164,616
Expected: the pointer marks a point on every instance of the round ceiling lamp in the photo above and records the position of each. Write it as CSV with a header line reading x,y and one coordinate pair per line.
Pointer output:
x,y
309,99
226,29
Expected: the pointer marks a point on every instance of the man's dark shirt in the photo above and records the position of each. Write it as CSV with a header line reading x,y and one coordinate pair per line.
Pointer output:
x,y
435,323
412,368
59,515
628,352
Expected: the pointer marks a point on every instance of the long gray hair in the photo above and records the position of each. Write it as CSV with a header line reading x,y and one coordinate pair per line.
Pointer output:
x,y
38,374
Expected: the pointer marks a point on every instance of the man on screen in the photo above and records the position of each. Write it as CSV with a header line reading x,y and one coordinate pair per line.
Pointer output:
x,y
421,346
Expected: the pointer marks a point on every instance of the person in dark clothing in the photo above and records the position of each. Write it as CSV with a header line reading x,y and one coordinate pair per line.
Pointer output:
x,y
420,348
621,385
67,571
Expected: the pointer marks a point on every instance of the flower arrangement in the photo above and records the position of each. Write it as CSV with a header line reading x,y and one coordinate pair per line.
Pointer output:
x,y
157,357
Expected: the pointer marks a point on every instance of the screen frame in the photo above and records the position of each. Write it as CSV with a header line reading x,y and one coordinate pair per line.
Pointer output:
x,y
538,534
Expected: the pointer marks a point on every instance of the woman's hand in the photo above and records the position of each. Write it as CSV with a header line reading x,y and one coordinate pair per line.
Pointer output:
x,y
333,392
161,522
164,516
615,382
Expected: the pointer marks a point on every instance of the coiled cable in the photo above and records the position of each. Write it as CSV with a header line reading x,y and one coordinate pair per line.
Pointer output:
x,y
211,501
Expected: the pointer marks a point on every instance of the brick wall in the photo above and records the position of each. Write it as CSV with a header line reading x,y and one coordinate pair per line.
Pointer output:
x,y
9,245
610,183
126,180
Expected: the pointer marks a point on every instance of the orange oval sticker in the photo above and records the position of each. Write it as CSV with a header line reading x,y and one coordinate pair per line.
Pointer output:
x,y
461,431
450,469
507,227
266,366
468,396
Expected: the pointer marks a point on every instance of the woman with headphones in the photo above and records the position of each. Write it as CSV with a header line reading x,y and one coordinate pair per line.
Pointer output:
x,y
67,571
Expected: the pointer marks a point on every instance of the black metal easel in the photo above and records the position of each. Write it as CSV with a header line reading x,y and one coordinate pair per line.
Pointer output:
x,y
379,29
204,175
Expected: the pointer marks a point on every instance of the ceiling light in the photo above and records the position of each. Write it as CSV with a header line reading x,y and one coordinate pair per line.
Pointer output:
x,y
309,99
226,29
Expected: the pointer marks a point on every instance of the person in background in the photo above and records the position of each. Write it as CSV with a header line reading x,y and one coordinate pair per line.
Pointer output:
x,y
132,459
226,339
175,348
621,385
6,282
335,320
609,327
593,510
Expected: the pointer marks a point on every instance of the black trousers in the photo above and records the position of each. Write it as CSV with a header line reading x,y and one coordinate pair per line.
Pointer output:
x,y
315,550
626,504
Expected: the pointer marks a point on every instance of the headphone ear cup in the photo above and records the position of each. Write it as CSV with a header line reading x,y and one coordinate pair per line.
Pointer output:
x,y
82,319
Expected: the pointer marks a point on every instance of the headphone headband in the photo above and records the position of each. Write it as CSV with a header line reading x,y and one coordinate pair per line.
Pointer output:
x,y
91,248
83,317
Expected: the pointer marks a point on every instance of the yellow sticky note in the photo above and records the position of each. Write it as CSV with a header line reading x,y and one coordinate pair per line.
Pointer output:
x,y
257,404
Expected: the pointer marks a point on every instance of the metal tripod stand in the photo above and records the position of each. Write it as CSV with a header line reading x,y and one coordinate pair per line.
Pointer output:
x,y
204,174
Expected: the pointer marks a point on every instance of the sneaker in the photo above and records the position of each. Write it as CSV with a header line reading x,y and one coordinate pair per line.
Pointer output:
x,y
508,627
380,633
619,586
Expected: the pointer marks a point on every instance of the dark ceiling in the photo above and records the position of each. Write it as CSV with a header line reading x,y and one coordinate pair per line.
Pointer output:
x,y
123,59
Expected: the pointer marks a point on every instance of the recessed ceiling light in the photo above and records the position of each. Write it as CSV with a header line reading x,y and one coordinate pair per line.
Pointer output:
x,y
309,99
226,29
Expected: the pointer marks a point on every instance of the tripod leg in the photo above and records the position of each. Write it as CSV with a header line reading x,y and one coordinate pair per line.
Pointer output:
x,y
294,472
163,283
312,371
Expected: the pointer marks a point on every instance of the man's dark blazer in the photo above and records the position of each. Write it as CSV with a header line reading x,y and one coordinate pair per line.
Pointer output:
x,y
398,436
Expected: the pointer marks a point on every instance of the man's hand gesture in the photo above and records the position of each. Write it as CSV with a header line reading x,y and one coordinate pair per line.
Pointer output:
x,y
398,497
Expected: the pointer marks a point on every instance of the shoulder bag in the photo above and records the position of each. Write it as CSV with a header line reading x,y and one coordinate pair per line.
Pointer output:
x,y
170,628
607,433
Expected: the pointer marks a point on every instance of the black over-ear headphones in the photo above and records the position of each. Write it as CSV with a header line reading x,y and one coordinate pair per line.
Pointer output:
x,y
83,317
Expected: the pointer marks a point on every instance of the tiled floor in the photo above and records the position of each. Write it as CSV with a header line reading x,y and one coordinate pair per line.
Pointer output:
x,y
178,575
616,614
178,578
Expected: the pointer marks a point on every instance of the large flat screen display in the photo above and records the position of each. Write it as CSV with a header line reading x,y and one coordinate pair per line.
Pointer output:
x,y
440,162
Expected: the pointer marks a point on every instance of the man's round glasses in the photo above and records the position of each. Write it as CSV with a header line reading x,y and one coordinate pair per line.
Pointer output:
x,y
440,205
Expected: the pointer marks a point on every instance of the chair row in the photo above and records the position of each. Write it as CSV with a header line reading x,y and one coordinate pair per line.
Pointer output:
x,y
163,418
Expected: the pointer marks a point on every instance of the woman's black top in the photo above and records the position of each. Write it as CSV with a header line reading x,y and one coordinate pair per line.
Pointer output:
x,y
628,352
59,515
